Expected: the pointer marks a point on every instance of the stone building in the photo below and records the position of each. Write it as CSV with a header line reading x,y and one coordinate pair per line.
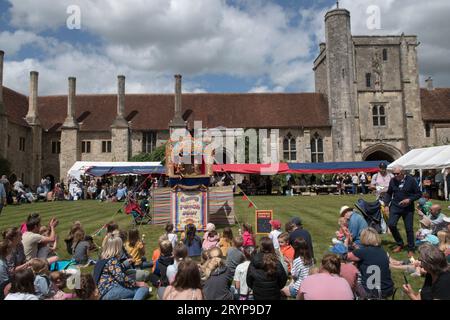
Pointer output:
x,y
368,105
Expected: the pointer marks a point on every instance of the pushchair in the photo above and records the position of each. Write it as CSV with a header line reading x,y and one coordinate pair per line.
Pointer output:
x,y
140,214
371,212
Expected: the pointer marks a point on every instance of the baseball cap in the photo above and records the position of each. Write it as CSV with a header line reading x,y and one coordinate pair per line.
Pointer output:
x,y
344,209
276,224
297,221
382,165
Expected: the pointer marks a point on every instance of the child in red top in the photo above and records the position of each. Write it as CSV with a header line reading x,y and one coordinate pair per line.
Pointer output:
x,y
249,238
286,249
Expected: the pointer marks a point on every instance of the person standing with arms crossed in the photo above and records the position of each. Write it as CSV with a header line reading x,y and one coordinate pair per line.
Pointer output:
x,y
402,192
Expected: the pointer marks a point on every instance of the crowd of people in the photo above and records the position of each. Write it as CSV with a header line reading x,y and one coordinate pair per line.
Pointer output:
x,y
214,265
102,189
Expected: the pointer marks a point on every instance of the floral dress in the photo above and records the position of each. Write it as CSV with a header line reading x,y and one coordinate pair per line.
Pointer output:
x,y
113,275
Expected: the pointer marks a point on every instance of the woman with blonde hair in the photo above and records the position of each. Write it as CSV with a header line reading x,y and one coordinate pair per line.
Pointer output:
x,y
371,258
217,277
109,274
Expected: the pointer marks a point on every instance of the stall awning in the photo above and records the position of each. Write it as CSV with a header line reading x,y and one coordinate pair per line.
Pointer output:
x,y
252,168
98,171
425,158
334,167
98,168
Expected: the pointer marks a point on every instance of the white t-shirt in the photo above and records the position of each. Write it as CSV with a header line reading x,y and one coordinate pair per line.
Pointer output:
x,y
30,243
21,296
173,238
241,275
274,237
355,179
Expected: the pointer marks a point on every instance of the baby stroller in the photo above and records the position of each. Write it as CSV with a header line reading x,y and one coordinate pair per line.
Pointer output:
x,y
371,211
139,215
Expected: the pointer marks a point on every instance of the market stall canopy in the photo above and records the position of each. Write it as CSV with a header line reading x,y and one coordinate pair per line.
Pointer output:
x,y
425,158
334,167
98,169
252,168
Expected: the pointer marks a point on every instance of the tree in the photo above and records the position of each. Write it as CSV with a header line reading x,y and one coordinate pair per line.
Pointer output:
x,y
159,154
5,167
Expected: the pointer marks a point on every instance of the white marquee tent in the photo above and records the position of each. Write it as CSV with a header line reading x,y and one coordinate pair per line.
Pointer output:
x,y
437,158
80,167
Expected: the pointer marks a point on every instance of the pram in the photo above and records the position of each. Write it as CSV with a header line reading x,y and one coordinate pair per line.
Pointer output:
x,y
140,213
371,211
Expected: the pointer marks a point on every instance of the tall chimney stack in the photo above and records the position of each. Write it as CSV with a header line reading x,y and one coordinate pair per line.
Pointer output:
x,y
429,83
120,119
32,116
2,56
70,119
177,120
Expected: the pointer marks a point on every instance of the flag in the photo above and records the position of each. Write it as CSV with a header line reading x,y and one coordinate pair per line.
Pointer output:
x,y
250,205
245,198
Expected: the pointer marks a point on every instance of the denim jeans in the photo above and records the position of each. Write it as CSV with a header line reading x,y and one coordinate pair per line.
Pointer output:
x,y
120,293
1,208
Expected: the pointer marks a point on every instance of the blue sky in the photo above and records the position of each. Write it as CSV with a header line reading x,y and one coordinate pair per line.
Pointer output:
x,y
218,45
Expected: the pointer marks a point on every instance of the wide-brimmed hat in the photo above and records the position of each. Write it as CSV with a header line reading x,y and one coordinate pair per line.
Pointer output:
x,y
344,209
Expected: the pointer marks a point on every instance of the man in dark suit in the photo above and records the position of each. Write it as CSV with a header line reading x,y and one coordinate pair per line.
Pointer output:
x,y
402,192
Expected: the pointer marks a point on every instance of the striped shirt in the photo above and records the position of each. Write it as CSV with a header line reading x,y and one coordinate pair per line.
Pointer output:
x,y
299,272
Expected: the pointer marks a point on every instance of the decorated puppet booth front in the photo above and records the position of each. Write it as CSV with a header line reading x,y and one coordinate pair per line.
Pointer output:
x,y
190,198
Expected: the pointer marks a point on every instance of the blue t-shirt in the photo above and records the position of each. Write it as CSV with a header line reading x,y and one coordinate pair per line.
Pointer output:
x,y
356,224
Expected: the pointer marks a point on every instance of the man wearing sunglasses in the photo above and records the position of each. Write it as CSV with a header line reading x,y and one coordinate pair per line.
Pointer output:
x,y
402,192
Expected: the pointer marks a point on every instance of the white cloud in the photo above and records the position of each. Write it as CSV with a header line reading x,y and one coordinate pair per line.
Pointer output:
x,y
12,42
178,36
149,40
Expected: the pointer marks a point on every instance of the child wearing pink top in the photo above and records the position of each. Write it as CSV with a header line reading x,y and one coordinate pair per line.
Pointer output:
x,y
249,238
211,240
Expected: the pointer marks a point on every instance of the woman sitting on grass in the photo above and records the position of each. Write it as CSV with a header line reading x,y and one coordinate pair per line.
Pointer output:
x,y
112,282
371,255
437,277
265,274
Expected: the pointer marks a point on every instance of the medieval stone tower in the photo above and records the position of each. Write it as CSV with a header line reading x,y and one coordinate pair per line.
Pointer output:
x,y
372,87
340,77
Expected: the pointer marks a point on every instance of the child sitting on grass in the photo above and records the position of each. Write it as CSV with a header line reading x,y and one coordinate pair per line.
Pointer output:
x,y
81,247
211,241
171,235
159,277
88,289
343,235
42,282
247,235
47,250
157,252
226,241
136,249
235,256
59,283
287,252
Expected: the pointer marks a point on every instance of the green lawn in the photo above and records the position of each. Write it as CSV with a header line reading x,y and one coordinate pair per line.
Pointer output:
x,y
319,215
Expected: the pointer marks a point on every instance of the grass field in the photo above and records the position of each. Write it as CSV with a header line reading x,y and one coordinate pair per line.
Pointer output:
x,y
319,215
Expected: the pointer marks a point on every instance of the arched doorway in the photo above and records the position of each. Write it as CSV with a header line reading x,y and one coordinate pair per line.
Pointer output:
x,y
380,152
379,155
